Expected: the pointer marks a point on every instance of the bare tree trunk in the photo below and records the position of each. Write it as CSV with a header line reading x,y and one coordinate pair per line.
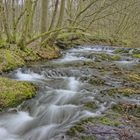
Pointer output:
x,y
54,14
4,21
44,16
61,14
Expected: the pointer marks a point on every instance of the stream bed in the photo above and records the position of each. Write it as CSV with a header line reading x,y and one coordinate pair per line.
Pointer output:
x,y
91,92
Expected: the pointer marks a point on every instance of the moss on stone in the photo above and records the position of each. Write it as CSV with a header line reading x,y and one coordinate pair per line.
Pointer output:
x,y
121,51
115,57
136,55
126,91
108,121
75,130
90,105
96,81
14,92
12,57
129,109
83,125
13,60
107,57
136,51
133,77
9,60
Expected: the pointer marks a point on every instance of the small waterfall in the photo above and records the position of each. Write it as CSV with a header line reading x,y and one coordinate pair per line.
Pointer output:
x,y
42,133
28,76
73,84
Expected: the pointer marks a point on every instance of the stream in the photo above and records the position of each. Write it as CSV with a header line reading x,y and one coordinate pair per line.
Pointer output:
x,y
64,89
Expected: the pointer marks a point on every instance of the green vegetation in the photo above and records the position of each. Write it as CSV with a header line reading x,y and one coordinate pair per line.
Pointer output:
x,y
128,109
96,81
13,57
90,105
126,91
132,77
121,51
136,55
14,92
80,128
107,57
33,30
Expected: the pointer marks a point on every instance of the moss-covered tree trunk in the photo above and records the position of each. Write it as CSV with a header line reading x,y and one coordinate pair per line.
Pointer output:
x,y
4,21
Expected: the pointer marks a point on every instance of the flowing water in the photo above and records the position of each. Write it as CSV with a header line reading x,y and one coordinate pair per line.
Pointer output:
x,y
59,103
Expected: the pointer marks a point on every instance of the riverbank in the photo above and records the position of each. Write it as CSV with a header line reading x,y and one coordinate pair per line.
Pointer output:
x,y
13,92
13,57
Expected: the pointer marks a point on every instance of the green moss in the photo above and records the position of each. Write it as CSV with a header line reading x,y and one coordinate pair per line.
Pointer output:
x,y
14,92
126,91
12,60
75,130
96,81
108,121
9,60
87,137
136,55
136,51
80,129
121,51
107,57
115,57
3,44
90,105
12,56
129,109
133,77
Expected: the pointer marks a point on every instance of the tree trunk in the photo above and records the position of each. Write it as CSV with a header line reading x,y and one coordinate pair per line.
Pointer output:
x,y
54,14
61,14
44,17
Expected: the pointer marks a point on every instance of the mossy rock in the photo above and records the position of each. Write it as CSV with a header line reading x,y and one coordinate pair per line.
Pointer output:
x,y
121,51
136,56
83,126
115,58
136,51
90,105
126,91
3,44
75,130
107,57
133,77
96,81
108,121
14,92
129,109
10,60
